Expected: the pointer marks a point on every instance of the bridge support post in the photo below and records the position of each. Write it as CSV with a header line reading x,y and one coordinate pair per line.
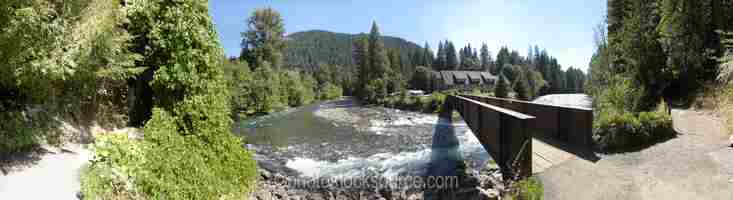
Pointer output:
x,y
503,133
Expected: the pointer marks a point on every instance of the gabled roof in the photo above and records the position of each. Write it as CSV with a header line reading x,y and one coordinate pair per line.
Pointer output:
x,y
460,76
447,77
436,75
474,76
488,76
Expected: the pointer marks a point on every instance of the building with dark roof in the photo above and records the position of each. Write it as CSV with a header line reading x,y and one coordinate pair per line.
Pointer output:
x,y
444,80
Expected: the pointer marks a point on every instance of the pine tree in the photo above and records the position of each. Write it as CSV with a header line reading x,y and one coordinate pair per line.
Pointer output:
x,y
379,62
265,38
501,89
683,29
427,56
502,58
361,59
486,60
521,87
440,59
451,57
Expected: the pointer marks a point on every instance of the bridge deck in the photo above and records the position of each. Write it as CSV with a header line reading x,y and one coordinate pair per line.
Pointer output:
x,y
545,156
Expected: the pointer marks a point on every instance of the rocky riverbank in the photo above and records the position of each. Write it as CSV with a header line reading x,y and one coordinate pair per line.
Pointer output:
x,y
483,185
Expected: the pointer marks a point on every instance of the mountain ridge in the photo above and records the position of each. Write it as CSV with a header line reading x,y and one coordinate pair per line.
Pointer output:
x,y
308,49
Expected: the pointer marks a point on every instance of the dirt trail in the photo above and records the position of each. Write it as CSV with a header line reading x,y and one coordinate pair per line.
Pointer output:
x,y
698,164
52,174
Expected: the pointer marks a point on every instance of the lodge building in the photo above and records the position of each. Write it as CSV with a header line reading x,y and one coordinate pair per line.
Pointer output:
x,y
445,80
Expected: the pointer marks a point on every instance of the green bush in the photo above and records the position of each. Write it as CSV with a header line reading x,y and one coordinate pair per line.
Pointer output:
x,y
15,134
528,189
614,129
330,91
110,175
436,102
201,163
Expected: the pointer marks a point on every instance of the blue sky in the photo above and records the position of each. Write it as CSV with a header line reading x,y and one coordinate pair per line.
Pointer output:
x,y
564,28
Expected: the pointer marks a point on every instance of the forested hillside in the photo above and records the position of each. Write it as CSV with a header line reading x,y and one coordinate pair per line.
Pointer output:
x,y
307,49
651,51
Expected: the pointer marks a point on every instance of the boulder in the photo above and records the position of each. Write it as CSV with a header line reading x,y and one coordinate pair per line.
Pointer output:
x,y
731,140
266,175
488,194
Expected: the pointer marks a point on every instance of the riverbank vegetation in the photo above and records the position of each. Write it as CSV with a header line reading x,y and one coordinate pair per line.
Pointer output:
x,y
527,189
650,52
125,64
379,75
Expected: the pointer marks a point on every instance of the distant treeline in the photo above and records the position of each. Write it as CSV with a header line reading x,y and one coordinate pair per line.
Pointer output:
x,y
406,65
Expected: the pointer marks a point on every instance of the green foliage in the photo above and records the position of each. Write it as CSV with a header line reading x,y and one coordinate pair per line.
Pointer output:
x,y
521,87
616,127
486,58
376,76
266,85
111,173
528,189
264,39
187,151
187,167
330,91
62,59
425,104
501,89
451,59
421,79
309,49
295,90
15,134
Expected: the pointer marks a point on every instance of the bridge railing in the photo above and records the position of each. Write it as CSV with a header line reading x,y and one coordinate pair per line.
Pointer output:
x,y
571,125
504,133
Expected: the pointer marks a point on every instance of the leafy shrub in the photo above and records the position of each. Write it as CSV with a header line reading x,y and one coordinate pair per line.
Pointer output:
x,y
110,174
528,189
15,134
330,91
203,164
187,151
436,102
619,129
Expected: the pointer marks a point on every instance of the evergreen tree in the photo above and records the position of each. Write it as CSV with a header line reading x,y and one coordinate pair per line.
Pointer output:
x,y
521,87
616,12
440,59
486,60
379,65
264,38
501,89
502,58
361,59
683,29
427,56
451,57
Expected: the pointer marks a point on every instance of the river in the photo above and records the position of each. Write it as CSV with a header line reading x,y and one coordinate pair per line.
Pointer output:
x,y
344,139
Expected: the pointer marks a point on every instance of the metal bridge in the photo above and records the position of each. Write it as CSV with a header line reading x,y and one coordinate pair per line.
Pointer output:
x,y
524,137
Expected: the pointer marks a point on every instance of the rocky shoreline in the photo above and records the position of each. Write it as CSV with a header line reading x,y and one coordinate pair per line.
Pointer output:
x,y
484,185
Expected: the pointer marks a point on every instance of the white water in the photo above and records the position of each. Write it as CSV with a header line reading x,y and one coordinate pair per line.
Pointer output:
x,y
386,164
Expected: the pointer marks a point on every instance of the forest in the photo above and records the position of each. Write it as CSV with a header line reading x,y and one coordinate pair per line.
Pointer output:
x,y
653,54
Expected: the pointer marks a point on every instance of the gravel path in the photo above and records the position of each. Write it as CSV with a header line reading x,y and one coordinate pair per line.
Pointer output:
x,y
52,174
697,164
